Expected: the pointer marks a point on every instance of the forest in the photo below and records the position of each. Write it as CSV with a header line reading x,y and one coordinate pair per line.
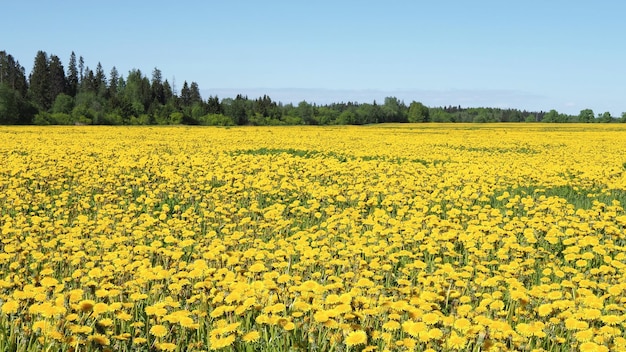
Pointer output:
x,y
53,94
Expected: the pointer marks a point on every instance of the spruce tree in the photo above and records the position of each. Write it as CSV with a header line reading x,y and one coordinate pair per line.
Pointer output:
x,y
156,85
58,83
39,89
185,95
12,74
100,81
72,76
194,93
168,93
114,77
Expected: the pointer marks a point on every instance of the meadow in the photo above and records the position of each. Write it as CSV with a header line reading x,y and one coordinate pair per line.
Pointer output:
x,y
411,237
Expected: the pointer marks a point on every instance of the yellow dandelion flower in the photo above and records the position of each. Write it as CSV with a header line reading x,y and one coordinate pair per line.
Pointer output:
x,y
414,328
217,343
100,308
86,305
592,347
139,340
275,309
620,342
391,325
584,335
100,339
107,322
49,282
544,309
354,338
188,322
462,324
575,324
228,328
158,330
75,295
71,317
263,319
124,316
524,329
430,318
321,316
251,336
165,346
456,342
364,282
407,343
612,319
257,267
156,310
123,337
435,334
536,328
615,290
42,325
10,307
289,326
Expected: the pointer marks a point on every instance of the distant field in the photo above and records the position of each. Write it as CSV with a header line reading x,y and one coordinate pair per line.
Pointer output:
x,y
391,237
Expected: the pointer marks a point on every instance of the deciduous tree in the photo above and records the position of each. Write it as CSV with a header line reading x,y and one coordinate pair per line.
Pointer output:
x,y
418,112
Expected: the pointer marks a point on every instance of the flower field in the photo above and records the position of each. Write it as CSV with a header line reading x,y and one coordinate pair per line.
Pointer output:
x,y
391,237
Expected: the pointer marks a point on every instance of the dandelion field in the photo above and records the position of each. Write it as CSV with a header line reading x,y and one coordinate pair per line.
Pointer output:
x,y
390,237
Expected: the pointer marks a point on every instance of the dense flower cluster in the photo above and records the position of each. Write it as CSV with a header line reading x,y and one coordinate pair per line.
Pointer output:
x,y
426,238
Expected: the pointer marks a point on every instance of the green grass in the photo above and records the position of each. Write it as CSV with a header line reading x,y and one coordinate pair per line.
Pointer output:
x,y
307,154
582,198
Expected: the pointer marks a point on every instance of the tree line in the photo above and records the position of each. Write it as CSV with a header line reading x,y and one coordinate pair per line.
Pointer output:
x,y
56,95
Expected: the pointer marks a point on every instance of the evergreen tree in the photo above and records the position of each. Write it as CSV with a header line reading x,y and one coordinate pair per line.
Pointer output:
x,y
88,83
158,91
39,89
100,81
58,83
114,78
194,93
214,106
236,109
81,68
12,74
5,67
9,104
72,76
168,93
185,95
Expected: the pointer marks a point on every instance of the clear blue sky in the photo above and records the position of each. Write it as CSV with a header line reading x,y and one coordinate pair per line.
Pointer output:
x,y
533,55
